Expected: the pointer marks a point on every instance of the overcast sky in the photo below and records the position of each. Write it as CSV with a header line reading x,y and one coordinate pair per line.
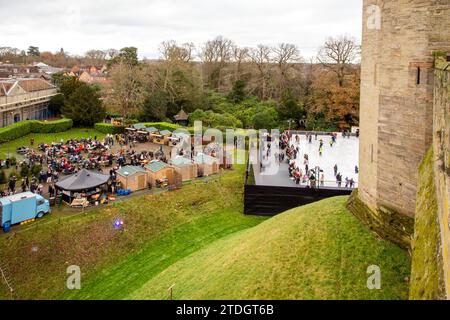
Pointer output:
x,y
103,24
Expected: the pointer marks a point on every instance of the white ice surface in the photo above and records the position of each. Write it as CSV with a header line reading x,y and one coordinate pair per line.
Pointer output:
x,y
344,153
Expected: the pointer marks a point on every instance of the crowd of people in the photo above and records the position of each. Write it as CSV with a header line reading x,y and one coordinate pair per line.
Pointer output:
x,y
64,158
69,157
300,170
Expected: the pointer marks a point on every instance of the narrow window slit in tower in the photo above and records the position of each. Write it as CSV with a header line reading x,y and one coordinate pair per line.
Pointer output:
x,y
371,153
418,75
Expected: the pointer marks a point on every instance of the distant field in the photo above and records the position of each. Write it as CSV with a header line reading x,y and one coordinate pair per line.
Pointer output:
x,y
77,133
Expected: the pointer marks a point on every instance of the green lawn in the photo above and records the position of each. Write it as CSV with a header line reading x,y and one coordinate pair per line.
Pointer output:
x,y
121,280
159,230
198,239
316,252
77,133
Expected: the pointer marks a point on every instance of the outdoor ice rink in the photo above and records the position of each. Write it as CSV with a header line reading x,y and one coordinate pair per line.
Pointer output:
x,y
344,153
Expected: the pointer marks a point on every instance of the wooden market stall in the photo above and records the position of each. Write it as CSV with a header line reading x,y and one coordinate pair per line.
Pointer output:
x,y
139,126
153,134
185,167
132,178
206,165
227,162
166,134
180,137
160,173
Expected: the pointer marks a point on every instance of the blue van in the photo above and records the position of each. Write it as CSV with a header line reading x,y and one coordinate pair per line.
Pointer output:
x,y
22,207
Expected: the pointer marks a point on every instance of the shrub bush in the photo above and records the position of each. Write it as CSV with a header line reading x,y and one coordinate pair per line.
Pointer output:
x,y
35,170
23,128
162,125
107,128
12,161
14,131
13,174
51,126
24,171
3,178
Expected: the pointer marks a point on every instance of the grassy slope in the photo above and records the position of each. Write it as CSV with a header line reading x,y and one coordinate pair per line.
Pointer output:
x,y
76,133
315,252
122,279
160,229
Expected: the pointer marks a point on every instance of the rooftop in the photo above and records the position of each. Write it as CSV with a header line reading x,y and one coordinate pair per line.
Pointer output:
x,y
181,116
181,161
130,170
27,85
156,166
203,158
151,129
165,133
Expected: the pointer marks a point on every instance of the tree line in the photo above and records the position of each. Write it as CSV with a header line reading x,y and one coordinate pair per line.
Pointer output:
x,y
228,85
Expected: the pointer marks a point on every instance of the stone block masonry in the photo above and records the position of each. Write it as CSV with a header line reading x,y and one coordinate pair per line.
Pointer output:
x,y
404,112
397,98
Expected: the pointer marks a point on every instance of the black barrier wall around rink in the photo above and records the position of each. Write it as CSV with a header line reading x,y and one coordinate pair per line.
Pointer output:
x,y
272,200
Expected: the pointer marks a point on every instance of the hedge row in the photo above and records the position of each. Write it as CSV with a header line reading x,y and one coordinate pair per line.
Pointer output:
x,y
51,126
107,128
20,129
162,125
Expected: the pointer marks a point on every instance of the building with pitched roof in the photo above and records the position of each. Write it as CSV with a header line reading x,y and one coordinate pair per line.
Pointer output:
x,y
159,171
206,165
24,99
185,167
182,118
133,177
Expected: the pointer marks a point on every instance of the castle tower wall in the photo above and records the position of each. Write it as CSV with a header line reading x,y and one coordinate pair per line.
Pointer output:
x,y
397,96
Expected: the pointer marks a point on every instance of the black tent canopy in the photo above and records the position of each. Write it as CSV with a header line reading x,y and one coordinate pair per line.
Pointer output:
x,y
83,180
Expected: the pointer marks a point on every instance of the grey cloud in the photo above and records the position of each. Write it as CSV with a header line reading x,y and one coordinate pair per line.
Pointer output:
x,y
83,25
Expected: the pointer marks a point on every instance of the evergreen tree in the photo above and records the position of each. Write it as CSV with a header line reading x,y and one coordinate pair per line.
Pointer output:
x,y
84,107
155,107
291,109
237,93
56,103
69,85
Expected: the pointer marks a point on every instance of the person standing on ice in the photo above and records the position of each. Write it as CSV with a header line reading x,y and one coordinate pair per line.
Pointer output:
x,y
339,180
335,170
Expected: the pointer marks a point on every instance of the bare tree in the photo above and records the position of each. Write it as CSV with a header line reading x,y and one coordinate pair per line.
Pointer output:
x,y
171,51
261,58
174,57
112,53
127,91
215,55
95,57
240,56
9,53
337,53
285,55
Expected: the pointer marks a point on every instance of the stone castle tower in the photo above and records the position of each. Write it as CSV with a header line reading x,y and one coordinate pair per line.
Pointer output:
x,y
400,38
